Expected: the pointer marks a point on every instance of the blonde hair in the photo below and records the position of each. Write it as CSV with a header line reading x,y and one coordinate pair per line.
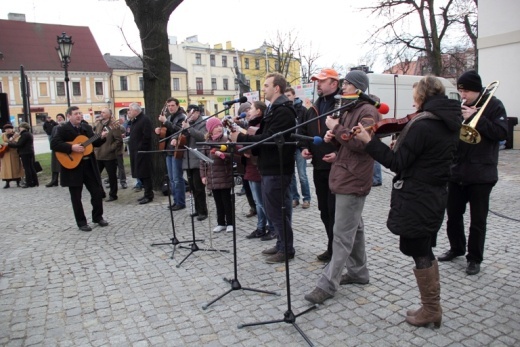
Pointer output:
x,y
428,86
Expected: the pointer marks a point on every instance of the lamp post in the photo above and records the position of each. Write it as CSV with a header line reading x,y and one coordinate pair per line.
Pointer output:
x,y
64,48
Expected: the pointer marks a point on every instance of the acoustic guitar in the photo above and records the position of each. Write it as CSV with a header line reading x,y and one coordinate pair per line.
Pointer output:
x,y
3,150
72,160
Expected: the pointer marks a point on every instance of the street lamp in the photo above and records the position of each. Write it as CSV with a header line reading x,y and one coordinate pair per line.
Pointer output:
x,y
64,48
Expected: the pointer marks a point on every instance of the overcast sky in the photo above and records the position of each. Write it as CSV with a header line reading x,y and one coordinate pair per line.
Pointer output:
x,y
334,28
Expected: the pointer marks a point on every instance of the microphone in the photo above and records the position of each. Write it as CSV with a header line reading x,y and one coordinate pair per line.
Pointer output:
x,y
231,102
221,148
242,115
315,140
381,106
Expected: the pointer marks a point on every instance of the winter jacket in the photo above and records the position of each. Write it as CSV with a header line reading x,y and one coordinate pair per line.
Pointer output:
x,y
47,126
25,143
322,105
477,163
279,117
113,143
352,171
140,140
422,161
219,175
195,133
173,124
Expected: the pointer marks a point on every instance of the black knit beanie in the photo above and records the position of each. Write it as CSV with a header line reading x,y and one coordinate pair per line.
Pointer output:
x,y
470,80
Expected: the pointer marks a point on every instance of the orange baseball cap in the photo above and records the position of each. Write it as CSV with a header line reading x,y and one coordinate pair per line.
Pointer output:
x,y
326,73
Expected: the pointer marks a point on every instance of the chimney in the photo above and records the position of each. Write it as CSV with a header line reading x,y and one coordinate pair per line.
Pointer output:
x,y
16,16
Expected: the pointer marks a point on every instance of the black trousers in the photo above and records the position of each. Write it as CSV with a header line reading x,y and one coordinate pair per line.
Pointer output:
x,y
326,203
92,184
198,191
478,197
224,206
148,187
111,166
31,178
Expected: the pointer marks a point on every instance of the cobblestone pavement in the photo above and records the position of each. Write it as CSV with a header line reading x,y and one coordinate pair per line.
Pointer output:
x,y
110,287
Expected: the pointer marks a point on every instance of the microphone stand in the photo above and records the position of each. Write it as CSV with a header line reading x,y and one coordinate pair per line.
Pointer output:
x,y
193,246
174,241
235,283
279,140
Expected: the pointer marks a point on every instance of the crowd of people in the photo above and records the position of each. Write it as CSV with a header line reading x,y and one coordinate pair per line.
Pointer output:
x,y
435,171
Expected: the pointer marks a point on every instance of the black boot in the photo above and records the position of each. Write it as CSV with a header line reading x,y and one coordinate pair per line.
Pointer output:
x,y
54,180
18,183
6,185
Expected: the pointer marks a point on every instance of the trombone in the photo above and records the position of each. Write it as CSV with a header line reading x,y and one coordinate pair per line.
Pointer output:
x,y
468,132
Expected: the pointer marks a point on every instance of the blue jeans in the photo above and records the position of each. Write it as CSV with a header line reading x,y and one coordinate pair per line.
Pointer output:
x,y
177,185
263,223
377,178
301,166
274,205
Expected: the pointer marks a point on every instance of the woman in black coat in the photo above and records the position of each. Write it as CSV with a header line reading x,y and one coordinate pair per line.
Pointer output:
x,y
421,159
25,147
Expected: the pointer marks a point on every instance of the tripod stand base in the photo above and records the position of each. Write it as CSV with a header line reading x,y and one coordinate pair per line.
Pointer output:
x,y
235,285
288,317
174,242
195,248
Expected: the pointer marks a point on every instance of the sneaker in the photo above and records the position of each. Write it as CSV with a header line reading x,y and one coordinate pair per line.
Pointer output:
x,y
219,228
270,251
318,296
295,203
473,268
306,204
346,279
256,234
229,229
278,258
268,236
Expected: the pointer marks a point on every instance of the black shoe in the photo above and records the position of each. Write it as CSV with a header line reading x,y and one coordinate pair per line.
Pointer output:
x,y
256,234
145,201
51,184
325,256
141,199
111,198
201,217
268,236
195,214
102,223
177,207
473,268
7,185
85,228
449,256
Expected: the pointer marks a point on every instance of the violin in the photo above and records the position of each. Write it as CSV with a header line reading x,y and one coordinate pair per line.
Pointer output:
x,y
162,131
385,127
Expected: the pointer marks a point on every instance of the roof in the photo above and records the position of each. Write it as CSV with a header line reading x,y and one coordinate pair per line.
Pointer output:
x,y
118,62
33,45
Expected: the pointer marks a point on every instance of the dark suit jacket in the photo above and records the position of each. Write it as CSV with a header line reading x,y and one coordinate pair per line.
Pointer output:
x,y
59,143
141,140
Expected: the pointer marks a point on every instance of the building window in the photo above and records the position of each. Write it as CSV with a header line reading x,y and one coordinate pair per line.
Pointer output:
x,y
123,83
141,83
60,88
176,84
199,85
248,82
276,66
257,64
246,63
257,84
42,89
235,62
224,61
99,88
76,88
198,59
225,84
214,83
212,59
267,65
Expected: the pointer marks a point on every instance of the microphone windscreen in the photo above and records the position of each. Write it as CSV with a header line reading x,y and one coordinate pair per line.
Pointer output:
x,y
384,108
223,148
243,99
318,140
243,115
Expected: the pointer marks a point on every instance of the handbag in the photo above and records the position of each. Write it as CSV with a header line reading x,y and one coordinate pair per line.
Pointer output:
x,y
37,166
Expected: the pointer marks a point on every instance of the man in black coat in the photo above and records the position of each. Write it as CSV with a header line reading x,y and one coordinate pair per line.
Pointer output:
x,y
86,172
141,140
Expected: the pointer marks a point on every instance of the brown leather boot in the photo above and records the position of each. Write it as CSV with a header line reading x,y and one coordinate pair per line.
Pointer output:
x,y
435,264
431,311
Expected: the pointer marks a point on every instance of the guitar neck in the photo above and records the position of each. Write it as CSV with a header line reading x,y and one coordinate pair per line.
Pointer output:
x,y
92,139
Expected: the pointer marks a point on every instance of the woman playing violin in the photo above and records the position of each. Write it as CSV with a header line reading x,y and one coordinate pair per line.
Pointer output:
x,y
421,159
